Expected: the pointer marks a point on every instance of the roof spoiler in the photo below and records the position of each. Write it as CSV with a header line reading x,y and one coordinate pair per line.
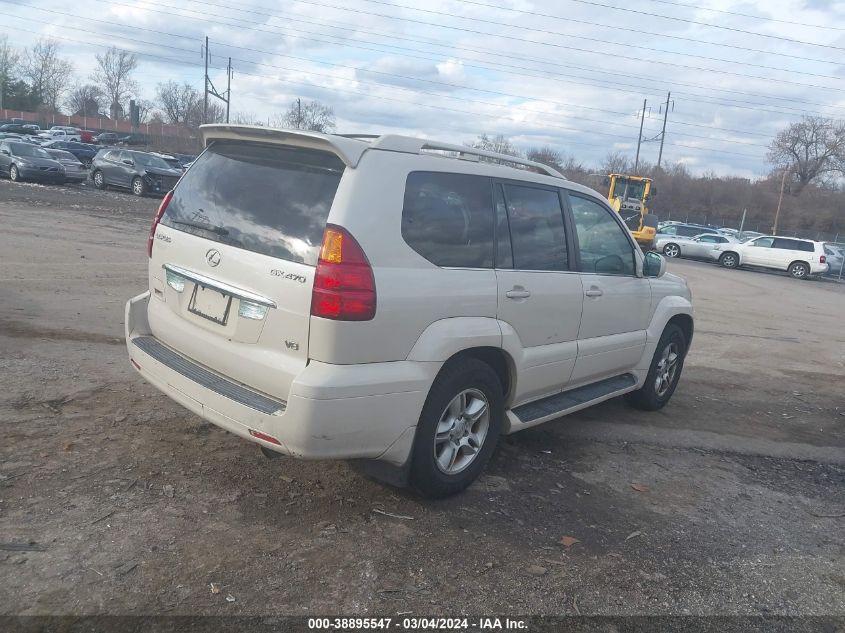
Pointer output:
x,y
347,149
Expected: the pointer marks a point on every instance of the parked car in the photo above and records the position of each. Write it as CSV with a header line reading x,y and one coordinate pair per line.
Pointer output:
x,y
133,139
75,171
800,258
87,136
185,159
23,161
749,235
343,299
106,138
835,255
17,128
698,247
60,135
140,172
85,153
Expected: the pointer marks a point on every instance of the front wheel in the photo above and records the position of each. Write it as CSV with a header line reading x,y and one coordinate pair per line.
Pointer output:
x,y
664,372
138,186
672,250
729,260
14,174
99,181
458,428
799,270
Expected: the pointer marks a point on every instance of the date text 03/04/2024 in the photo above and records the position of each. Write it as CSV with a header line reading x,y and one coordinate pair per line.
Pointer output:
x,y
417,624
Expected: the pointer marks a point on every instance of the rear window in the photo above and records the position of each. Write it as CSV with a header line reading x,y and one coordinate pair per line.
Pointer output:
x,y
267,199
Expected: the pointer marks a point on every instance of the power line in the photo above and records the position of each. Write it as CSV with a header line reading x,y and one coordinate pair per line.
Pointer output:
x,y
759,107
696,22
555,45
422,80
416,103
567,19
747,15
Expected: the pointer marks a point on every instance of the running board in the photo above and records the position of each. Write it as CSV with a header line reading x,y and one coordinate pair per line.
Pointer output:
x,y
562,402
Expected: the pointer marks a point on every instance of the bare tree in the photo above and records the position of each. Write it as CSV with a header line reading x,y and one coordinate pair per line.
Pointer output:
x,y
9,58
113,76
178,102
547,156
85,100
499,144
47,73
245,118
216,113
813,148
616,163
310,115
145,110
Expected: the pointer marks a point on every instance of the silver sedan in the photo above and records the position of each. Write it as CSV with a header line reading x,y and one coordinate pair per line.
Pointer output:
x,y
705,246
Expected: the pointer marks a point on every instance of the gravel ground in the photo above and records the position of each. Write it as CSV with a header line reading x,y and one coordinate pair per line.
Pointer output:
x,y
730,501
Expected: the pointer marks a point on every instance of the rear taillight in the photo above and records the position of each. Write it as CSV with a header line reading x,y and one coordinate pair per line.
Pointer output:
x,y
161,209
822,259
344,288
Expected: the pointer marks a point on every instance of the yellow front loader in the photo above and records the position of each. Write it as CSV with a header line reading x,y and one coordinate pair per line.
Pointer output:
x,y
629,196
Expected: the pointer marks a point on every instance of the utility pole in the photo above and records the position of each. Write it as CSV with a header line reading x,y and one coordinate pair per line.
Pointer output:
x,y
205,89
780,200
663,133
298,113
228,88
211,90
639,140
742,221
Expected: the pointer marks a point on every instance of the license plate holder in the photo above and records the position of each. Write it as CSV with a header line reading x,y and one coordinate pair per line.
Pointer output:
x,y
210,304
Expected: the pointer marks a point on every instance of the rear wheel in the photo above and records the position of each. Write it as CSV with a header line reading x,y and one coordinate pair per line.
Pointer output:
x,y
672,250
729,260
799,270
99,181
14,174
458,428
138,186
664,372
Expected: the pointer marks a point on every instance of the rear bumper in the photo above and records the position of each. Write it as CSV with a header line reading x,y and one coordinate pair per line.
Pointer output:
x,y
332,411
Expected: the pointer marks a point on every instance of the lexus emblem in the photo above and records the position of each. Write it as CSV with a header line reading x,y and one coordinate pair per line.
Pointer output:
x,y
212,257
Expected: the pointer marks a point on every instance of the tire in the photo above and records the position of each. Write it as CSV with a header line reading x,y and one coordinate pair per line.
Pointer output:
x,y
799,270
466,386
672,250
14,174
138,186
654,394
729,260
99,180
86,163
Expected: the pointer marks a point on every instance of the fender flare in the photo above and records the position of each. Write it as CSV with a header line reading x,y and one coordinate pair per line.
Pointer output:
x,y
444,338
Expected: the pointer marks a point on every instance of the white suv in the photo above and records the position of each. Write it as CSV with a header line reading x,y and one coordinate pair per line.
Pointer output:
x,y
800,258
396,301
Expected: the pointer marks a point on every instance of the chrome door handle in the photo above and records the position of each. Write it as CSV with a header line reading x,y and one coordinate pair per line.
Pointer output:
x,y
594,292
517,293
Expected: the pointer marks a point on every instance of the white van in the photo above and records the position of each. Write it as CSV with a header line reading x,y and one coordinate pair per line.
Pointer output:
x,y
396,300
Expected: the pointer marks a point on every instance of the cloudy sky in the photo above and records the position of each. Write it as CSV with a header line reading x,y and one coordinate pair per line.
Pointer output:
x,y
568,73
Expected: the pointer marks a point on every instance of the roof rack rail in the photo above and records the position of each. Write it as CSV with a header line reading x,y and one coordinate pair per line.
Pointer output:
x,y
370,136
396,143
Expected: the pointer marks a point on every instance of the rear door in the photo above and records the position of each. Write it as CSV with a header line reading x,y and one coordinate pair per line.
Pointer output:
x,y
617,303
234,256
540,294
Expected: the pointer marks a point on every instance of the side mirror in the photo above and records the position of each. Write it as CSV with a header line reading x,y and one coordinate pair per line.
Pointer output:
x,y
652,192
127,161
654,265
5,152
606,181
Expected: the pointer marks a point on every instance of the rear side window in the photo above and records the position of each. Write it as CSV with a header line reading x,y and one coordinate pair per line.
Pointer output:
x,y
448,218
536,223
267,199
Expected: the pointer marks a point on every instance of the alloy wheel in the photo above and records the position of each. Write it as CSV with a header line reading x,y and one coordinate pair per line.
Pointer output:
x,y
667,367
461,431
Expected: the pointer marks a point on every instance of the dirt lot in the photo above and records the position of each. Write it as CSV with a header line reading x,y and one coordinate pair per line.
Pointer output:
x,y
729,501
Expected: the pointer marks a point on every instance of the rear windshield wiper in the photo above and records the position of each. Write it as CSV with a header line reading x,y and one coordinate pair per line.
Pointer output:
x,y
219,230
